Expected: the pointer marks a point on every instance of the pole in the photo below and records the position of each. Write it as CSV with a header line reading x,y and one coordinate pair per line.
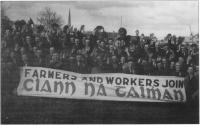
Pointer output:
x,y
191,35
121,21
69,18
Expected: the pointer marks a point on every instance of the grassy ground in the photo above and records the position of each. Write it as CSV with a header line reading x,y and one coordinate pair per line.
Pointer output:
x,y
21,109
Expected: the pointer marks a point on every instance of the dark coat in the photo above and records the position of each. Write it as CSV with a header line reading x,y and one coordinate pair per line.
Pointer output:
x,y
191,86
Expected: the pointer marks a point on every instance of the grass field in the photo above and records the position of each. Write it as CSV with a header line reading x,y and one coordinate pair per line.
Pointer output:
x,y
21,109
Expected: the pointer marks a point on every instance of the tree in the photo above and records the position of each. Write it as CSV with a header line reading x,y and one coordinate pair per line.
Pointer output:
x,y
6,23
48,17
19,24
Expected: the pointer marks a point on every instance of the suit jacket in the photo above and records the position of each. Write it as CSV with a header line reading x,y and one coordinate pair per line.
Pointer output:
x,y
191,86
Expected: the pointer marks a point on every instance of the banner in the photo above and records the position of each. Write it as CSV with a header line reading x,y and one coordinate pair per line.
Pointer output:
x,y
46,82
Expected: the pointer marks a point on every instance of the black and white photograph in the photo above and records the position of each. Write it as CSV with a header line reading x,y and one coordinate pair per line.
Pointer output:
x,y
100,62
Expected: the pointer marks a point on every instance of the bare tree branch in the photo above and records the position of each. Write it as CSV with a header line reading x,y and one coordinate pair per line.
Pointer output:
x,y
47,17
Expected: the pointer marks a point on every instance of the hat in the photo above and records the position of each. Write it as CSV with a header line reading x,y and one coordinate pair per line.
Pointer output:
x,y
122,29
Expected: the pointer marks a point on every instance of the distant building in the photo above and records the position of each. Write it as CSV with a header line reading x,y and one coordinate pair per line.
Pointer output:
x,y
191,39
112,35
89,32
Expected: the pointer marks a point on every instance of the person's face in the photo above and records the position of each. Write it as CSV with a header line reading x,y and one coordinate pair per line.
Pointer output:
x,y
40,44
43,34
78,58
197,68
122,59
182,48
72,39
51,51
111,48
72,33
159,65
114,59
157,45
7,52
34,49
67,30
110,42
158,59
189,58
122,33
150,55
39,53
98,42
77,42
102,44
17,33
25,58
22,50
146,46
142,36
84,38
71,60
190,70
131,49
130,63
171,57
37,39
131,66
99,60
164,61
87,42
79,51
12,55
172,65
152,42
117,43
86,56
178,67
193,47
55,57
28,39
180,60
17,47
153,60
151,35
131,42
7,32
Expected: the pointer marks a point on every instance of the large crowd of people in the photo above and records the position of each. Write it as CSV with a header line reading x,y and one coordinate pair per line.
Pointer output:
x,y
77,51
73,50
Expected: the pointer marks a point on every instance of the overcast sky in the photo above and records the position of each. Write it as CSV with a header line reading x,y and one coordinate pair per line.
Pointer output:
x,y
158,17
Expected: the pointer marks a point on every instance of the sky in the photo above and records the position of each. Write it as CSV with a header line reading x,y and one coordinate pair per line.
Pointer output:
x,y
158,17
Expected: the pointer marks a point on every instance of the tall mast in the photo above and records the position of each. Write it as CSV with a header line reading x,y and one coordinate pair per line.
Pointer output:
x,y
191,35
69,18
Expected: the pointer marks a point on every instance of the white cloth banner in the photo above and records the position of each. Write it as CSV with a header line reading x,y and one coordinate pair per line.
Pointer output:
x,y
46,82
